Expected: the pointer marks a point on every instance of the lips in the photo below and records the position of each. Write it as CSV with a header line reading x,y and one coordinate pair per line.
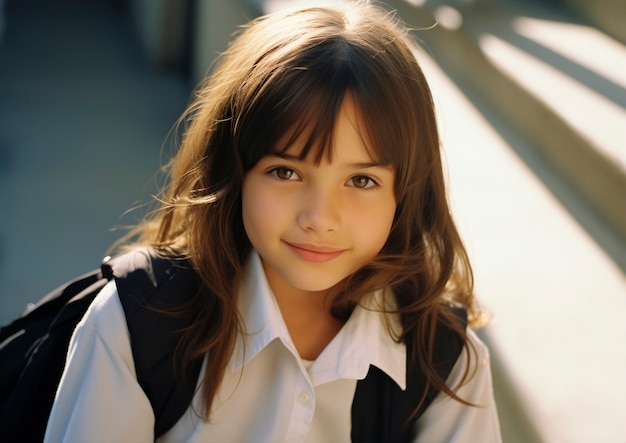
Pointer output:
x,y
313,253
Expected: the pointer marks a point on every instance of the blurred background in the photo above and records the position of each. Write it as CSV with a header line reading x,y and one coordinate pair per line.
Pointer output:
x,y
531,97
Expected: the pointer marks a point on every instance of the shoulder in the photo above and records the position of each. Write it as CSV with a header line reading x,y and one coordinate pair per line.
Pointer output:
x,y
475,359
449,420
480,348
105,323
105,312
145,278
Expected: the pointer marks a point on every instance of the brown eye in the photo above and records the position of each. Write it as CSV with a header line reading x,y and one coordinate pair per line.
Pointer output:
x,y
282,173
362,182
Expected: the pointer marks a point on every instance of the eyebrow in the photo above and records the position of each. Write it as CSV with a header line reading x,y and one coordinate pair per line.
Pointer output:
x,y
363,165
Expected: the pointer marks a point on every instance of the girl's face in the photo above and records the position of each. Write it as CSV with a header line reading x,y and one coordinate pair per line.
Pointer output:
x,y
313,225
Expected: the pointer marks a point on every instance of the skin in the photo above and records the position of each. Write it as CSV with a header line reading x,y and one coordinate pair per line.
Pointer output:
x,y
314,225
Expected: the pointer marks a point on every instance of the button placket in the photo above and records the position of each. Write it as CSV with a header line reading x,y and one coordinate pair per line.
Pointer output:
x,y
303,409
304,397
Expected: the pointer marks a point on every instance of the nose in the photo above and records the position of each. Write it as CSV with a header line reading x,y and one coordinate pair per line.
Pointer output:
x,y
319,210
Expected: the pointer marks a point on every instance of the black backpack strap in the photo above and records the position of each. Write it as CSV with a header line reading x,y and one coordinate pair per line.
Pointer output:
x,y
148,287
381,410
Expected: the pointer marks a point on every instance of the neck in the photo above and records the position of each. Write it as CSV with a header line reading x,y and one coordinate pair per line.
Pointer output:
x,y
308,319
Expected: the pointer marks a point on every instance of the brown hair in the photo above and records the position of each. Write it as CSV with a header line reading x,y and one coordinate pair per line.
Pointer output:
x,y
287,71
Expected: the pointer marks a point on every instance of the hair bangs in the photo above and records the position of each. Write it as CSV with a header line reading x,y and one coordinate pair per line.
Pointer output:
x,y
299,102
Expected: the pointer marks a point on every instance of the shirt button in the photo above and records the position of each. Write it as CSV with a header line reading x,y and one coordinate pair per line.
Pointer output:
x,y
304,397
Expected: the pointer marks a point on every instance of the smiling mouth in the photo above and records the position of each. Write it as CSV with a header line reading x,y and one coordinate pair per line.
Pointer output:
x,y
315,254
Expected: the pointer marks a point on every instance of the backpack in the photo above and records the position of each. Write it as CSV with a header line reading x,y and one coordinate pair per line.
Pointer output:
x,y
33,349
32,355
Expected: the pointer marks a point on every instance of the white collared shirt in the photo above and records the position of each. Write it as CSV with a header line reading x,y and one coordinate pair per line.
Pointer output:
x,y
269,394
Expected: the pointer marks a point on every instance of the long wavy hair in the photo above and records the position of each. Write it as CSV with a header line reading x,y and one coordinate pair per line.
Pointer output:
x,y
288,72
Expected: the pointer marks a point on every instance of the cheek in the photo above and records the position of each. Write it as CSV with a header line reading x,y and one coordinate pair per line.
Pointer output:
x,y
374,225
383,228
261,211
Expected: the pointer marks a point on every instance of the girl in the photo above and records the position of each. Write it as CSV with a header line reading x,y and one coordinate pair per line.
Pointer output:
x,y
309,198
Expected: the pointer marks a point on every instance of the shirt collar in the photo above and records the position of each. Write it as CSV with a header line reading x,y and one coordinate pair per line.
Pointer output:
x,y
363,341
260,314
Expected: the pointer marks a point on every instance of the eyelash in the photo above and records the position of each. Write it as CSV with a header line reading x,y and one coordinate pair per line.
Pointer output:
x,y
370,184
274,172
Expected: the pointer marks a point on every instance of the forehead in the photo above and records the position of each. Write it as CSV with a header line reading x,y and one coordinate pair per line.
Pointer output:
x,y
323,139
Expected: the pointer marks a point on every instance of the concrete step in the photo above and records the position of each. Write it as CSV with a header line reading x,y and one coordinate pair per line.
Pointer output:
x,y
556,80
607,15
572,75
